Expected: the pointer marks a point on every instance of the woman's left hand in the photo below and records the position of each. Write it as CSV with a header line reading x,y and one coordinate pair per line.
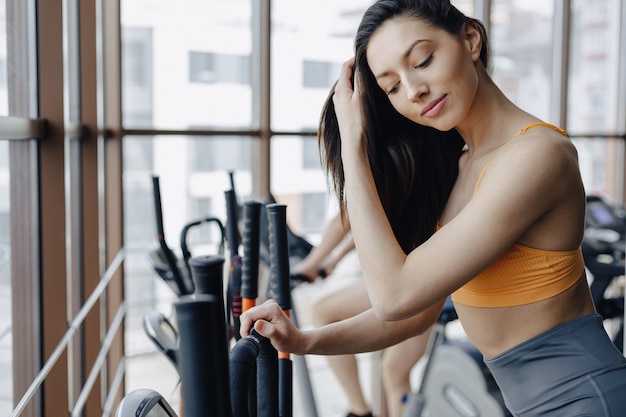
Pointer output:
x,y
269,320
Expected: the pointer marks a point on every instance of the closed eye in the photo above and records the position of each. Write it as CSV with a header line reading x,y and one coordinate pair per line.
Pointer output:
x,y
392,89
425,62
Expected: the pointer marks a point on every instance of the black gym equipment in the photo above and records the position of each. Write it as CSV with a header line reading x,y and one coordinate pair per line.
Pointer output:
x,y
234,241
604,247
210,376
144,402
281,292
174,271
203,356
163,335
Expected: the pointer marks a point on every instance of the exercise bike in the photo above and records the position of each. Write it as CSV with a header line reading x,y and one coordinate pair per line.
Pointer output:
x,y
175,272
211,375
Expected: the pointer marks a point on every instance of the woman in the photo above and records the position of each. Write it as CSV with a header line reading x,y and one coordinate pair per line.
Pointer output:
x,y
507,245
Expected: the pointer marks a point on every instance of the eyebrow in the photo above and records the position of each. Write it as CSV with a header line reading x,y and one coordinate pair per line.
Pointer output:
x,y
404,56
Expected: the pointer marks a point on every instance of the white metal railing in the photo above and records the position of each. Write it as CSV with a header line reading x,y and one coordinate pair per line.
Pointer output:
x,y
100,360
73,327
114,388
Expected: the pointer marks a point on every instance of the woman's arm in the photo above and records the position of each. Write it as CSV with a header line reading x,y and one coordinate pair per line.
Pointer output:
x,y
330,262
321,256
362,333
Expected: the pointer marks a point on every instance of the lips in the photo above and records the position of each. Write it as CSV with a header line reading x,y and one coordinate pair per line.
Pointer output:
x,y
433,108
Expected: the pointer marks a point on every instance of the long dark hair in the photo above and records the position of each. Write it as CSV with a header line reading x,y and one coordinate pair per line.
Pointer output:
x,y
414,166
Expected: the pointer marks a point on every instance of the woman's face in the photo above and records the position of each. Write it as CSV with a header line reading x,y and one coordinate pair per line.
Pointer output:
x,y
429,75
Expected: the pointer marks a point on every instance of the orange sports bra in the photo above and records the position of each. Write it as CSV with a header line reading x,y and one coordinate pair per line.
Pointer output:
x,y
523,275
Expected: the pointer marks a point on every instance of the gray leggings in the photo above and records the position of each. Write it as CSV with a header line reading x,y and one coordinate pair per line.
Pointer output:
x,y
572,370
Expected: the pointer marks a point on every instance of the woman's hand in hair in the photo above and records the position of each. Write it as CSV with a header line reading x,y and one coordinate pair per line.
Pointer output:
x,y
348,109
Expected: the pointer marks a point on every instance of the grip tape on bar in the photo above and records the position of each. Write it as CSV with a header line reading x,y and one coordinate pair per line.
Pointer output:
x,y
251,247
279,254
281,288
232,231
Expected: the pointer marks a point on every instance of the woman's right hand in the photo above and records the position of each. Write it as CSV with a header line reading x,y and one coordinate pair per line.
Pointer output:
x,y
348,108
269,320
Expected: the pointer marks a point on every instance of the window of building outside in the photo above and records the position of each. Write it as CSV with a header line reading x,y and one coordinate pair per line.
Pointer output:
x,y
594,93
6,338
210,68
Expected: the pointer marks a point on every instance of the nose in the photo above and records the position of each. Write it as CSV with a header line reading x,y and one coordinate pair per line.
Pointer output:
x,y
415,89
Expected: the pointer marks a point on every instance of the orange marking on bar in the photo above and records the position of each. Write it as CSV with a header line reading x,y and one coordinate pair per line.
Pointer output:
x,y
248,303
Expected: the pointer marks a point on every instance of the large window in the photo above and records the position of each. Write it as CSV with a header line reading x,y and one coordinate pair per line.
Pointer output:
x,y
522,44
206,88
6,338
594,93
190,62
307,54
187,65
6,316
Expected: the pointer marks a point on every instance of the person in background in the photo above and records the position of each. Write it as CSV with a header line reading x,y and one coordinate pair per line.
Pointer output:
x,y
351,300
506,242
322,259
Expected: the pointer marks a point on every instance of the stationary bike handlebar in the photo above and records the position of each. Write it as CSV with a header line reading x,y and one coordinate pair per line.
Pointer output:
x,y
185,231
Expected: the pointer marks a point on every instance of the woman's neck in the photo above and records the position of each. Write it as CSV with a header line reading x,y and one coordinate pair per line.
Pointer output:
x,y
492,119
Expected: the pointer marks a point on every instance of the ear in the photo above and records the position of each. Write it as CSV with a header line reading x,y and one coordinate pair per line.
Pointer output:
x,y
473,39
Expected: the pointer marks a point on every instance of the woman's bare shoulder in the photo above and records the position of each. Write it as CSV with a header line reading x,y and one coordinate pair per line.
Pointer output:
x,y
542,149
539,169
